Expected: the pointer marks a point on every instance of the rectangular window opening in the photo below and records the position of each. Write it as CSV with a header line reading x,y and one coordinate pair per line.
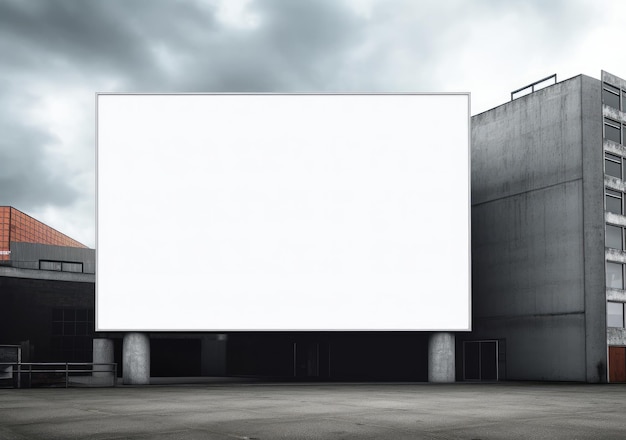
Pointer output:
x,y
50,265
614,275
614,237
610,96
613,165
613,201
61,266
612,130
72,334
615,314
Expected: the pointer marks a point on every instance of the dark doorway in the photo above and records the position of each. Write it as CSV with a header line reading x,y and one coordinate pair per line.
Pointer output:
x,y
259,354
334,356
480,360
471,360
174,357
310,359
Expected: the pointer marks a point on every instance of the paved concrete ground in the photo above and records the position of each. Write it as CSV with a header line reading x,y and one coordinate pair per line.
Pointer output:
x,y
317,411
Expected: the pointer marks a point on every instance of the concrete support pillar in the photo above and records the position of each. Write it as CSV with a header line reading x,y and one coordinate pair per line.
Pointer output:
x,y
213,355
441,355
103,353
136,359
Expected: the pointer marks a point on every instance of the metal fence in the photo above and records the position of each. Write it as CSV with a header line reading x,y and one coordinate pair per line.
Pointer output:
x,y
55,374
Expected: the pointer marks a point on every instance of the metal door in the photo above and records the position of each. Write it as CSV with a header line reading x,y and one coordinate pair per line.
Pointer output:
x,y
480,360
617,364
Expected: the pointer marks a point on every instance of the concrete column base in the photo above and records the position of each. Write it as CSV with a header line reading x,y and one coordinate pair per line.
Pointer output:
x,y
441,357
136,359
103,353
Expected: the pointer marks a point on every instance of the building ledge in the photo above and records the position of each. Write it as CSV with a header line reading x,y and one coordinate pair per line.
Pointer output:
x,y
614,147
614,255
615,336
616,295
613,113
614,183
35,274
614,219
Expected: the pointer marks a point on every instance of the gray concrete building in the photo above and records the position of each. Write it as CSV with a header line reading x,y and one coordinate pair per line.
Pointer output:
x,y
548,236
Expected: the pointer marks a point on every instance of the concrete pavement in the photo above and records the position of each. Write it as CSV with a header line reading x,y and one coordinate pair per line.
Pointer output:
x,y
250,411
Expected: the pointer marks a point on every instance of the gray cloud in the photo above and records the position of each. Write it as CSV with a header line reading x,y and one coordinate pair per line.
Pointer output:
x,y
88,36
51,47
297,43
83,46
28,175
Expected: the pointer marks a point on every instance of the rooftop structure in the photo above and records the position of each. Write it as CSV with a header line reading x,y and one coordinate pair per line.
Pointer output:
x,y
17,227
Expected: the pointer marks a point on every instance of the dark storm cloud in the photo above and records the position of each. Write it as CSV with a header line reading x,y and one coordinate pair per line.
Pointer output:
x,y
27,179
296,46
146,46
309,39
295,42
86,37
70,49
29,176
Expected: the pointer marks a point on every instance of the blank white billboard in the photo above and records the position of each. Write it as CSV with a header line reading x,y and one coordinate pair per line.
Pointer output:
x,y
233,212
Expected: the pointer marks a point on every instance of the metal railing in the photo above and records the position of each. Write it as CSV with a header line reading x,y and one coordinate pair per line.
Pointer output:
x,y
532,86
55,373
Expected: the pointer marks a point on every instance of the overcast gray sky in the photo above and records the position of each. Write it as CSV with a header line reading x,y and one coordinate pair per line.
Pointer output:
x,y
55,54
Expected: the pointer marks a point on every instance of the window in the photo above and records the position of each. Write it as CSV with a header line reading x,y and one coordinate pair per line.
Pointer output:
x,y
72,267
614,237
612,130
613,165
615,314
50,265
614,275
624,100
613,201
61,266
72,334
610,95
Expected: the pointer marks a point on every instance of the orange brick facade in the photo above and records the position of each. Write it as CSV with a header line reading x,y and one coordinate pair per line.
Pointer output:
x,y
15,226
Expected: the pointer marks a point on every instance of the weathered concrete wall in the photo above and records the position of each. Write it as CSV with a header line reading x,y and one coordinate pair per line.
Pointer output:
x,y
528,253
593,227
616,336
539,347
537,232
527,144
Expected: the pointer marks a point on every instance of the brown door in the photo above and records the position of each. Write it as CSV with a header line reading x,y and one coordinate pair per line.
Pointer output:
x,y
617,364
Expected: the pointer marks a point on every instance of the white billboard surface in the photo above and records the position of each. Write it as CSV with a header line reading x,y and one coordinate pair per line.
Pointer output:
x,y
233,212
